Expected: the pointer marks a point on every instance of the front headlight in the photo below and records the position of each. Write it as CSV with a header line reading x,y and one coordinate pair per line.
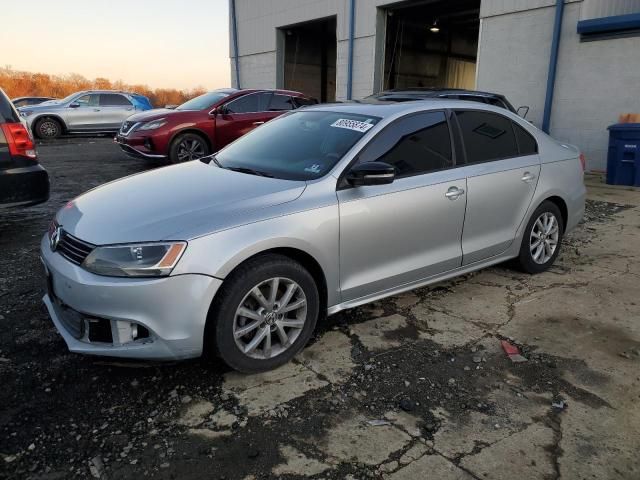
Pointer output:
x,y
135,260
153,125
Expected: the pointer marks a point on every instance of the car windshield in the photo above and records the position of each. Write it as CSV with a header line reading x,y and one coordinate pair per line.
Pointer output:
x,y
204,101
65,99
304,145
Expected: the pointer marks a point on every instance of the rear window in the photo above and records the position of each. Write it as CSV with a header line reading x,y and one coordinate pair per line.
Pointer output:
x,y
487,136
281,102
113,100
304,102
7,111
526,143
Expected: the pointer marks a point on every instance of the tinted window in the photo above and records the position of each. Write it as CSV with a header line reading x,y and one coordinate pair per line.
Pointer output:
x,y
303,102
281,102
90,100
414,145
113,100
487,136
253,102
303,145
496,102
526,143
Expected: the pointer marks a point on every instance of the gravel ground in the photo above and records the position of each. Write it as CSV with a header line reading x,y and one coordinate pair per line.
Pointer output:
x,y
389,368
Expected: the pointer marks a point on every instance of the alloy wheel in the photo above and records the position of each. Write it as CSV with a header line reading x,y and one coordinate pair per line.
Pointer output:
x,y
190,149
270,318
544,238
48,129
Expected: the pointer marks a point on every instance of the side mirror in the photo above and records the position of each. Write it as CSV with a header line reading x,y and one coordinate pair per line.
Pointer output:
x,y
523,111
371,173
74,105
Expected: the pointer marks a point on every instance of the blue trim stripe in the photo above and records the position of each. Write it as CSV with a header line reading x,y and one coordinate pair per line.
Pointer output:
x,y
553,66
609,24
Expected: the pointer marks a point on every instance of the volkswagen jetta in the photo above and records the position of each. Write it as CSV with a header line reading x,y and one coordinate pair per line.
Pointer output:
x,y
323,209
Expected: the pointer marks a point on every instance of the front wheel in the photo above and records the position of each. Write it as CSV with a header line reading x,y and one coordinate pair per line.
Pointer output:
x,y
542,239
264,314
48,128
186,147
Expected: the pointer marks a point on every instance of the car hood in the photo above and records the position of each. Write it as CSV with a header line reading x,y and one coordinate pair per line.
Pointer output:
x,y
179,202
149,115
48,106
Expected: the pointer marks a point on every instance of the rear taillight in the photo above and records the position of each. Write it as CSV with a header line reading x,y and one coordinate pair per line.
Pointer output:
x,y
19,139
583,162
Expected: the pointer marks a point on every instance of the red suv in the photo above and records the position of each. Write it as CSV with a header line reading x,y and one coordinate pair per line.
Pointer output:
x,y
204,124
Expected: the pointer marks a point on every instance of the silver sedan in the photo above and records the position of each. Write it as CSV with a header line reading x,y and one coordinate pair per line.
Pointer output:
x,y
327,208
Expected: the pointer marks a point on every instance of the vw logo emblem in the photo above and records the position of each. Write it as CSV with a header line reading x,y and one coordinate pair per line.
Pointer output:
x,y
54,240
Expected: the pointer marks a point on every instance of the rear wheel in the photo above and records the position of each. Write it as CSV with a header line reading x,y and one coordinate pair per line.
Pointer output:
x,y
542,239
264,314
48,128
188,146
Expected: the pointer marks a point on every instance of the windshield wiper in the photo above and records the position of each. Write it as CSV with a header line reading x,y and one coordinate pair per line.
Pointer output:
x,y
250,171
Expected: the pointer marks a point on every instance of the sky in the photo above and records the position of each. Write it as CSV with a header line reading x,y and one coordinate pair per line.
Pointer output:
x,y
161,43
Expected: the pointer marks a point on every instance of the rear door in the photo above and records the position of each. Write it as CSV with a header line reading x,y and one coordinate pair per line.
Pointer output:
x,y
409,230
82,112
114,109
502,173
242,115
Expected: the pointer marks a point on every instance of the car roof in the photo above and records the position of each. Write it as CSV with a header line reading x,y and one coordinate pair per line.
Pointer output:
x,y
392,109
436,91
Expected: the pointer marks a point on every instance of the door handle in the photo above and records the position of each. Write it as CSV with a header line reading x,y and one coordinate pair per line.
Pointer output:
x,y
528,177
96,109
258,123
454,193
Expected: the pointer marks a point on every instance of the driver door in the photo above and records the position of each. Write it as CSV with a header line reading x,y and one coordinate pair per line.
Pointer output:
x,y
82,114
242,115
411,229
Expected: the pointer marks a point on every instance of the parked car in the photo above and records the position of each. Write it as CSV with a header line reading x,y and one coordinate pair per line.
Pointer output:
x,y
413,94
27,101
82,112
23,181
204,124
323,209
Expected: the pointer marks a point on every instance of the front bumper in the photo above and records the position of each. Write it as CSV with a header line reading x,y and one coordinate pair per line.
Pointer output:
x,y
172,311
138,147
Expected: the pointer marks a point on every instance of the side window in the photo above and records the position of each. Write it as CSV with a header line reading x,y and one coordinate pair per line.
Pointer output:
x,y
496,102
281,102
414,145
113,100
303,102
251,103
487,136
526,143
89,100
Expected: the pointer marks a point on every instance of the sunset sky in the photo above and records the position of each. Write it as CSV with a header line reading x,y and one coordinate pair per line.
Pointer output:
x,y
162,43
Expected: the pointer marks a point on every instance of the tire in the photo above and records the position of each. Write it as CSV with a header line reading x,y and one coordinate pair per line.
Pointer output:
x,y
47,128
536,259
188,146
249,353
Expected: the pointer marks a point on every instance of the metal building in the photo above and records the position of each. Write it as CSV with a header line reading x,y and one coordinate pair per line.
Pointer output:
x,y
575,63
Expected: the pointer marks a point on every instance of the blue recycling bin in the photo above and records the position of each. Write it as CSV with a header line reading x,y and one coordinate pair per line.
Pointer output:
x,y
623,162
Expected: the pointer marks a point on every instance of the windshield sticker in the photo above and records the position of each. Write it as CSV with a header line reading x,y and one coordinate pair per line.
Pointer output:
x,y
315,168
354,125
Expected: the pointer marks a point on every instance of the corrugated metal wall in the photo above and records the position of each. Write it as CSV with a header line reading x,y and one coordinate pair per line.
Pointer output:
x,y
608,8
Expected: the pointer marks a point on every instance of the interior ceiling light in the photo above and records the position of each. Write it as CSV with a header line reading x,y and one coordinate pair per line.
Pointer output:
x,y
434,28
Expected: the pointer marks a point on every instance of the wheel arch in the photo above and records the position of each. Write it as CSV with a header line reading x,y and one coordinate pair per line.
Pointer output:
x,y
562,206
53,116
195,131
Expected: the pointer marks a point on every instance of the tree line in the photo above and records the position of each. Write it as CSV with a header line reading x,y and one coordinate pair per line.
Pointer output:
x,y
26,84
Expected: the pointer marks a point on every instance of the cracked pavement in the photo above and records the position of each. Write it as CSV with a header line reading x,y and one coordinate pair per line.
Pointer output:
x,y
414,386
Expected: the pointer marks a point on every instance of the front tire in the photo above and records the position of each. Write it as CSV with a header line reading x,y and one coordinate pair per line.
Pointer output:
x,y
542,239
48,128
264,315
186,147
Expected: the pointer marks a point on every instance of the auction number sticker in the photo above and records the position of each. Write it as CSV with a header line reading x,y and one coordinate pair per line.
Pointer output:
x,y
352,125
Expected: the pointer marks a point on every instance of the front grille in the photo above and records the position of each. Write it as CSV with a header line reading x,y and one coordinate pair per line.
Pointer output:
x,y
73,249
126,127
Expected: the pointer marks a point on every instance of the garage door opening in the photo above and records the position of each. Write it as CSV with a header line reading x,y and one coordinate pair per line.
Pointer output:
x,y
431,45
310,58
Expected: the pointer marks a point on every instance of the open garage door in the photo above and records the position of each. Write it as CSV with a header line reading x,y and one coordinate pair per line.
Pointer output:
x,y
431,44
310,58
